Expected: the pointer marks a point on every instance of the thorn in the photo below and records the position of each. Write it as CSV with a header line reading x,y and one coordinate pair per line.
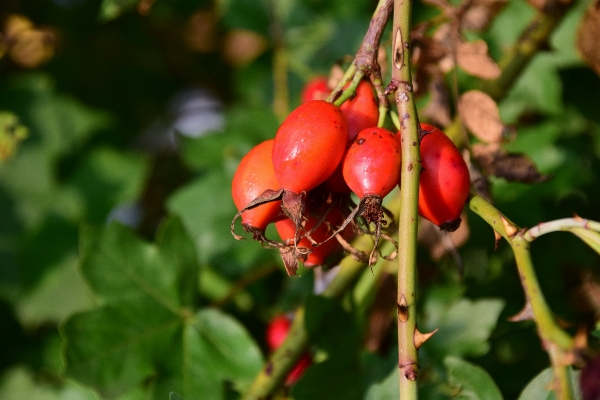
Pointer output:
x,y
526,314
420,338
577,217
402,309
497,238
510,229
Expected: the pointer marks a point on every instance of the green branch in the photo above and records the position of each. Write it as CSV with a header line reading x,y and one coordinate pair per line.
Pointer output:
x,y
407,234
555,341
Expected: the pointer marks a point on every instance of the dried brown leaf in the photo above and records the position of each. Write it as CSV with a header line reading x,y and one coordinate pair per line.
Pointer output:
x,y
481,13
480,114
587,37
514,167
474,59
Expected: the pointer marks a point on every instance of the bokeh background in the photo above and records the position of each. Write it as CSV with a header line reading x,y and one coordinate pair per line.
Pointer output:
x,y
132,113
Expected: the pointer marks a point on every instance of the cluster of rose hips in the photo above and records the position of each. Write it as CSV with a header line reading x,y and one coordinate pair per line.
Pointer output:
x,y
302,179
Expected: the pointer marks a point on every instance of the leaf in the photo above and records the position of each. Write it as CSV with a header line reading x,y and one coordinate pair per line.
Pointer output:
x,y
387,389
480,114
20,383
175,396
587,36
540,387
471,381
111,9
106,178
591,238
146,328
514,167
206,208
460,334
474,59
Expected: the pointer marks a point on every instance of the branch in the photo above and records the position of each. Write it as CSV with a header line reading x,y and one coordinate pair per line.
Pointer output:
x,y
365,62
555,341
565,224
411,167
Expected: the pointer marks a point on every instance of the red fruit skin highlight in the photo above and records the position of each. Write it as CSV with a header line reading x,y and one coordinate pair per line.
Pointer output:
x,y
309,145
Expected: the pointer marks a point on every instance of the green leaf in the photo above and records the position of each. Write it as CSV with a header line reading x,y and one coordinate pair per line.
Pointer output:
x,y
146,329
219,349
464,327
106,178
175,396
111,9
591,238
387,389
120,267
20,383
539,388
206,208
471,381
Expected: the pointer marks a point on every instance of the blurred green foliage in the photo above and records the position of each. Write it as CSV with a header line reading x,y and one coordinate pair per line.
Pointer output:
x,y
91,308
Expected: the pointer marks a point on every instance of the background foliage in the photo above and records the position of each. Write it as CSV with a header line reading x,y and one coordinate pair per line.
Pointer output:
x,y
118,275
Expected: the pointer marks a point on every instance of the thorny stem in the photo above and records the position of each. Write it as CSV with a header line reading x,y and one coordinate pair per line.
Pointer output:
x,y
555,341
411,167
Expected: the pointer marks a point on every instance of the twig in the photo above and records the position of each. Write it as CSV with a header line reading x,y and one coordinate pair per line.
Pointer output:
x,y
555,341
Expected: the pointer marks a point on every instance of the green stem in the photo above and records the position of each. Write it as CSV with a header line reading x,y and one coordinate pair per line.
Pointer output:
x,y
409,182
564,224
556,341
